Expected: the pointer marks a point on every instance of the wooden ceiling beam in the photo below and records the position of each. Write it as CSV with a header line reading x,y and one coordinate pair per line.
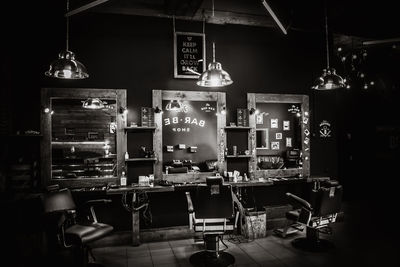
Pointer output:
x,y
85,7
220,17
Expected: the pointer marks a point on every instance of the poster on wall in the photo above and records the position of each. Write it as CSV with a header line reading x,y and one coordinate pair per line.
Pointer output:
x,y
286,125
275,145
288,142
259,118
274,123
189,54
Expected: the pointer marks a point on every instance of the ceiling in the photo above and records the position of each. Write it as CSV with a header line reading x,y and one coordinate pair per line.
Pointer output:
x,y
366,19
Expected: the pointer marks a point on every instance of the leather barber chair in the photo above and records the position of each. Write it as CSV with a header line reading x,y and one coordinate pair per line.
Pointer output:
x,y
70,233
212,214
316,216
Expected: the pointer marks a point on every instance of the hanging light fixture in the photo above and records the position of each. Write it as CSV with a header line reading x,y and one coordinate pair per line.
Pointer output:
x,y
214,76
66,66
329,79
93,103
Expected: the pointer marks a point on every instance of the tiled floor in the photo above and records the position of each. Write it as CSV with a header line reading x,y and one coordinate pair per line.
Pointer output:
x,y
356,244
269,251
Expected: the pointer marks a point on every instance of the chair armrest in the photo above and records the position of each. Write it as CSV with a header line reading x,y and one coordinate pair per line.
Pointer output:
x,y
189,202
89,205
305,204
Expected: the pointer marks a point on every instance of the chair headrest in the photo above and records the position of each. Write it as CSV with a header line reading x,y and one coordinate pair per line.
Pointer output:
x,y
214,180
61,200
330,183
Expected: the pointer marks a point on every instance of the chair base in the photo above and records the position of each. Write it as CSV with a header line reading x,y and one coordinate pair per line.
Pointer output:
x,y
307,244
211,259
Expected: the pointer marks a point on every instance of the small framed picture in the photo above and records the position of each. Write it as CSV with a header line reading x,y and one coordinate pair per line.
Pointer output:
x,y
274,123
288,142
286,125
259,119
278,136
275,145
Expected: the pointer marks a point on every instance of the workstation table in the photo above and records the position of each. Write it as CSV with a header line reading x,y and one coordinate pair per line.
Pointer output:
x,y
237,187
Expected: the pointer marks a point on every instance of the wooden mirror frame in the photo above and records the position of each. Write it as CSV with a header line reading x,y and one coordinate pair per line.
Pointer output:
x,y
303,100
47,94
158,97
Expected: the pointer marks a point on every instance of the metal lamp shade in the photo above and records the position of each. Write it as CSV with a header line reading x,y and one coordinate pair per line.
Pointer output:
x,y
93,103
329,80
215,76
67,67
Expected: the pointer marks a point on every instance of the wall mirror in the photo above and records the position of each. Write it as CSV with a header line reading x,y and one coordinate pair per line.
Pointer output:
x,y
188,133
280,139
82,143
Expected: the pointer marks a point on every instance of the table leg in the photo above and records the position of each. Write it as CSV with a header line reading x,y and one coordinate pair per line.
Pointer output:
x,y
135,223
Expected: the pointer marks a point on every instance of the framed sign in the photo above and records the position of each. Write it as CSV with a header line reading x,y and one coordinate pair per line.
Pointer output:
x,y
189,53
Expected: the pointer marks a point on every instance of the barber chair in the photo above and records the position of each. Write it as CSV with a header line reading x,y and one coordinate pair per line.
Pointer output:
x,y
212,214
69,230
316,216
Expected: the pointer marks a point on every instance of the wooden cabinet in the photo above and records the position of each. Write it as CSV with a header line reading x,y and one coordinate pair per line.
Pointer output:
x,y
83,136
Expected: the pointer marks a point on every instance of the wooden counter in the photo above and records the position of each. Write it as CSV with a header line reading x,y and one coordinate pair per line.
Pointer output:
x,y
191,186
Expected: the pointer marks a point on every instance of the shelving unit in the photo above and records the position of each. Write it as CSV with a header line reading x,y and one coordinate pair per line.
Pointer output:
x,y
140,159
237,128
136,168
139,129
239,157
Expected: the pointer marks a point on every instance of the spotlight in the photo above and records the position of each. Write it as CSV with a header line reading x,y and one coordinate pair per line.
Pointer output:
x,y
123,110
223,110
254,111
158,110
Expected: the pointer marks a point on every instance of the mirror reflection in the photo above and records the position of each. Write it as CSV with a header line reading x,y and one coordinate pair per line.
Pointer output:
x,y
83,138
278,135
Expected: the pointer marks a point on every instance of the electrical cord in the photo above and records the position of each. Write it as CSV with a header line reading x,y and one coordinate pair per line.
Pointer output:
x,y
141,203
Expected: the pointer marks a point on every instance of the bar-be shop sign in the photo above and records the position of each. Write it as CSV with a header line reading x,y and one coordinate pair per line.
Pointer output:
x,y
186,116
189,53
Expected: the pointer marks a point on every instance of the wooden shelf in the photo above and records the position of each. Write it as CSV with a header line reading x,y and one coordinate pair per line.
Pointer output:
x,y
237,128
238,156
26,135
141,159
77,142
139,129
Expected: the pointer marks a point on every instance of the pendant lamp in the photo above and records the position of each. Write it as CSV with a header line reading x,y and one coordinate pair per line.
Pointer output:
x,y
214,76
93,103
66,66
329,80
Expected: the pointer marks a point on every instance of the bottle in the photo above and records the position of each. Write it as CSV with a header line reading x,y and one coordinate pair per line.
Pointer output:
x,y
123,179
126,155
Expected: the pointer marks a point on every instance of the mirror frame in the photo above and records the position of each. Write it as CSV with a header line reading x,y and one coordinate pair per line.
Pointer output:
x,y
303,100
158,97
47,94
